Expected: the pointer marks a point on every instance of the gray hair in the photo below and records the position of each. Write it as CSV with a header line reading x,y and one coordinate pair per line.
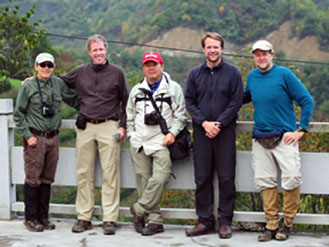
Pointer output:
x,y
95,38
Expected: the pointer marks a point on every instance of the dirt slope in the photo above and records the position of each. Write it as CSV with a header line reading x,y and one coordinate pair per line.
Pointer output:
x,y
306,48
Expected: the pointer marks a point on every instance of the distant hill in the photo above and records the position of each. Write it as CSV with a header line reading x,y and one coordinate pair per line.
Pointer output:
x,y
142,21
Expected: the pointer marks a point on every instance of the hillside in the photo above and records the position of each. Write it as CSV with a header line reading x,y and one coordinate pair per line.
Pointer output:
x,y
306,48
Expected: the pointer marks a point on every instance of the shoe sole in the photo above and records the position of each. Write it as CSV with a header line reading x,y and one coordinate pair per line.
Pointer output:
x,y
225,235
79,231
147,234
199,234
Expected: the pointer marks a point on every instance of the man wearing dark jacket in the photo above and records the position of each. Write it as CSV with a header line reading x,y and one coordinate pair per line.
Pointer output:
x,y
103,90
214,94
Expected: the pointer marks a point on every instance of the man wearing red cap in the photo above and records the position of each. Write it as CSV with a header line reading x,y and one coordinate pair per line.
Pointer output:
x,y
151,157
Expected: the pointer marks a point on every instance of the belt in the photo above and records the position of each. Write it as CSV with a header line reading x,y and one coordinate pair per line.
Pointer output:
x,y
44,134
99,121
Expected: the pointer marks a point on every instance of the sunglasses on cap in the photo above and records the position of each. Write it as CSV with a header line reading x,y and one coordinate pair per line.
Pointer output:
x,y
49,65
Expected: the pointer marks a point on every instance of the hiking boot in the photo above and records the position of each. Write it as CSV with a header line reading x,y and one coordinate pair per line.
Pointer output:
x,y
267,235
81,226
139,222
283,233
47,225
33,225
152,229
225,231
109,228
199,229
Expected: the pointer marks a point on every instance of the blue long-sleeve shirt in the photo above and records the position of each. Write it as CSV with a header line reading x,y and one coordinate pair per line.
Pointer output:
x,y
273,94
214,94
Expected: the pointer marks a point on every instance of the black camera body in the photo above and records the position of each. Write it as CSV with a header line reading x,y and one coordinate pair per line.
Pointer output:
x,y
151,118
48,111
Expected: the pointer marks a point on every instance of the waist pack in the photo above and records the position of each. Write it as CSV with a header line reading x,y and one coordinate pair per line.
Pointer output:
x,y
268,139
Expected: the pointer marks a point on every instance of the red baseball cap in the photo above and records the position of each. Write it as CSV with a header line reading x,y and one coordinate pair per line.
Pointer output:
x,y
152,56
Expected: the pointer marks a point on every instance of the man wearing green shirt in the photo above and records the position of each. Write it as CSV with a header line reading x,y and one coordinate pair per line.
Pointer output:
x,y
38,118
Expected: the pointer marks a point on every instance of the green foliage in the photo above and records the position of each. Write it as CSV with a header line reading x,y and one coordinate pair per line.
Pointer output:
x,y
308,18
17,38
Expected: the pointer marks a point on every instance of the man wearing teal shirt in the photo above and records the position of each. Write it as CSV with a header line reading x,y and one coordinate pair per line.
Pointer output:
x,y
273,90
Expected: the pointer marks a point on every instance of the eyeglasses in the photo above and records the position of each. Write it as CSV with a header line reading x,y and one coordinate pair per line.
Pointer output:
x,y
49,65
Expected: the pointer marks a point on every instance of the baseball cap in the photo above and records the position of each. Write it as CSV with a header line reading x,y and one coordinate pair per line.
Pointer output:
x,y
263,45
152,56
44,57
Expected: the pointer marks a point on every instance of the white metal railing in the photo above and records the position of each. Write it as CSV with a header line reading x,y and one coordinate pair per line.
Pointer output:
x,y
315,167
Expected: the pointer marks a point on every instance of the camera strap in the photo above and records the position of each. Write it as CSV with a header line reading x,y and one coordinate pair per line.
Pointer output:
x,y
52,92
162,121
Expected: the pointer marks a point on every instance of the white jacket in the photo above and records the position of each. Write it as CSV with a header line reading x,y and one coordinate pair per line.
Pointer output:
x,y
150,136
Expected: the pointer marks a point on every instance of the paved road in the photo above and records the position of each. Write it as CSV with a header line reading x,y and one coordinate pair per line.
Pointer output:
x,y
14,234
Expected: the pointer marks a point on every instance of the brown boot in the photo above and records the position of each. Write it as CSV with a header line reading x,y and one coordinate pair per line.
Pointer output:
x,y
139,222
152,229
33,225
283,233
199,229
109,228
290,205
271,207
267,235
47,225
81,226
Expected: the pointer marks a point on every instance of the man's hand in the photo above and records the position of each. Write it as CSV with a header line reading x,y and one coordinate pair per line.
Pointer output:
x,y
27,79
168,139
211,128
293,137
32,141
122,133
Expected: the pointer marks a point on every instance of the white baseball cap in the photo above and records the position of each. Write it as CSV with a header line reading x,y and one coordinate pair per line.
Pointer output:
x,y
45,57
263,45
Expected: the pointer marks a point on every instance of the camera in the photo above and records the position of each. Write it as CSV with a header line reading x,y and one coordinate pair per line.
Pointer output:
x,y
48,111
151,118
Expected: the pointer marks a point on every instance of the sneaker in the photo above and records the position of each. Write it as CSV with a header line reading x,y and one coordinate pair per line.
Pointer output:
x,y
267,235
81,226
109,228
283,233
47,225
33,225
199,229
152,229
139,222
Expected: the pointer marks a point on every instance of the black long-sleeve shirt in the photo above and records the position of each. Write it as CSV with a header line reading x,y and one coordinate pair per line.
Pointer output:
x,y
214,94
103,90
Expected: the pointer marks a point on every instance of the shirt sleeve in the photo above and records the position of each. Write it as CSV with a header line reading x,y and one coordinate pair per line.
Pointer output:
x,y
300,94
228,115
179,111
246,94
123,97
191,99
22,102
70,96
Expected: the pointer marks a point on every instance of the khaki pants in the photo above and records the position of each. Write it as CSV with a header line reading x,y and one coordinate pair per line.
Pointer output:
x,y
265,161
98,137
152,174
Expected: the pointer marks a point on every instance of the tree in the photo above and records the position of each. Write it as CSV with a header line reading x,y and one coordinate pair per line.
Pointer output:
x,y
17,38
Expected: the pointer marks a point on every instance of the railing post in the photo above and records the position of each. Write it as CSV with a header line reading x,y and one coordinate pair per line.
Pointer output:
x,y
7,190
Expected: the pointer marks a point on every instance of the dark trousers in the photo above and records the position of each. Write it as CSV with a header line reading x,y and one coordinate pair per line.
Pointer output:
x,y
40,168
217,154
36,200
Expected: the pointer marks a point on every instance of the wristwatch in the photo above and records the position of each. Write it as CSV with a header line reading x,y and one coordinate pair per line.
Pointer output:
x,y
300,129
